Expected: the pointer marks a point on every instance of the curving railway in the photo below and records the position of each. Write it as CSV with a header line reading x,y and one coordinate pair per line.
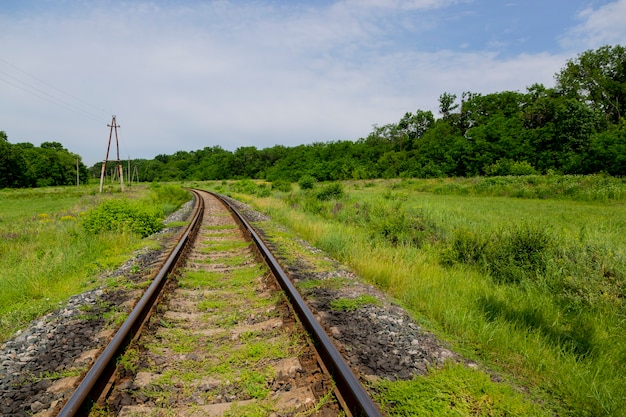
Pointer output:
x,y
220,330
222,339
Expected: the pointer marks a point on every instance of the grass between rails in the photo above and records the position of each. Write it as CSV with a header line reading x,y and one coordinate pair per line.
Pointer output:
x,y
532,288
233,362
46,255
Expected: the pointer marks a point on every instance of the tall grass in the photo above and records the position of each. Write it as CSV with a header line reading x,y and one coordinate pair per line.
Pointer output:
x,y
534,288
47,255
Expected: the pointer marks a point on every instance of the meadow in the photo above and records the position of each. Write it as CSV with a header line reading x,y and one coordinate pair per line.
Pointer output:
x,y
59,241
525,275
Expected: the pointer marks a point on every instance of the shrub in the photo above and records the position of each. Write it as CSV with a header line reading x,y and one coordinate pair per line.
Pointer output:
x,y
169,197
509,255
281,185
307,182
263,191
330,191
123,215
520,252
466,246
508,167
244,187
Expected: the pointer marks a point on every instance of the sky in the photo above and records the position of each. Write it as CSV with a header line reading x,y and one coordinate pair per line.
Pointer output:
x,y
188,74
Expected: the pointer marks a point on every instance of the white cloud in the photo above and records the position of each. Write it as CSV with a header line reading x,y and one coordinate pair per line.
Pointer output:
x,y
235,74
602,26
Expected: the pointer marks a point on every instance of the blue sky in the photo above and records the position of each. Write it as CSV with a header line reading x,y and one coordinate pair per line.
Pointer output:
x,y
184,75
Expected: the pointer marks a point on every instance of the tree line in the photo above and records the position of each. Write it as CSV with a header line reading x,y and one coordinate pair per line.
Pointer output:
x,y
576,127
24,165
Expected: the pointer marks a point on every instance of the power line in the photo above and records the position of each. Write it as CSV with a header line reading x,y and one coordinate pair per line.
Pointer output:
x,y
47,97
38,92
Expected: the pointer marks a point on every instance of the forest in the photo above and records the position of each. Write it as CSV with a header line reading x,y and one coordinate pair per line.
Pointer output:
x,y
576,127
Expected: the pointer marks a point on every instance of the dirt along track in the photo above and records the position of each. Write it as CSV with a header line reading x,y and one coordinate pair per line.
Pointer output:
x,y
223,340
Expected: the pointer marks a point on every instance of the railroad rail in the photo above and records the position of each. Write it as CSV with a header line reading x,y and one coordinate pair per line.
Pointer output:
x,y
96,382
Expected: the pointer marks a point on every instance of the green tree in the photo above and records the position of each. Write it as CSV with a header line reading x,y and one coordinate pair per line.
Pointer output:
x,y
598,78
11,164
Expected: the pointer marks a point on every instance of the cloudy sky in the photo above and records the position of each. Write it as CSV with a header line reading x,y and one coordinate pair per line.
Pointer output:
x,y
189,74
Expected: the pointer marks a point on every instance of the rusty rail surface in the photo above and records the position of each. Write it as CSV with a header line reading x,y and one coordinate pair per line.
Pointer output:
x,y
356,398
100,373
93,385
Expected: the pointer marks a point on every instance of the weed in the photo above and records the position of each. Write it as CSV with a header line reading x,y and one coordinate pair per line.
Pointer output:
x,y
307,182
332,191
350,304
129,361
123,215
452,391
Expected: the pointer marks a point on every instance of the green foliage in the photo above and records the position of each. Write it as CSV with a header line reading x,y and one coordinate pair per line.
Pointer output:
x,y
244,187
332,191
507,167
455,390
168,197
45,253
263,190
48,165
597,77
251,188
307,182
542,304
120,215
281,185
509,255
598,188
351,304
518,253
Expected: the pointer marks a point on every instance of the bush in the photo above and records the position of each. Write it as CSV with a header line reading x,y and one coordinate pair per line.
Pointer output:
x,y
244,187
263,191
508,167
331,191
466,247
169,197
123,215
509,256
519,253
307,182
281,185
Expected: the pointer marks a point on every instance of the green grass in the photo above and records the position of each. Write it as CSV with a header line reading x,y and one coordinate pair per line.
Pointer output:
x,y
454,391
351,304
533,288
46,255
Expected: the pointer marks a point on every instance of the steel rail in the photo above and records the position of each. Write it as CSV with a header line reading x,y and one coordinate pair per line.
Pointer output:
x,y
98,377
353,393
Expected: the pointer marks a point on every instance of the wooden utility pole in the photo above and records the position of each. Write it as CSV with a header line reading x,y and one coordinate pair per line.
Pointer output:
x,y
120,170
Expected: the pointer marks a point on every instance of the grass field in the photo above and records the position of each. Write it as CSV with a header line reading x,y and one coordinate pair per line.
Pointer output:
x,y
524,275
46,252
526,281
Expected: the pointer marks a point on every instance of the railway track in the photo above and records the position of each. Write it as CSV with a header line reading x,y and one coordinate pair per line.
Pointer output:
x,y
222,339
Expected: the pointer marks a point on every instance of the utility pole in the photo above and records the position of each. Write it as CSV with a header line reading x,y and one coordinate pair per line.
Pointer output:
x,y
77,174
120,170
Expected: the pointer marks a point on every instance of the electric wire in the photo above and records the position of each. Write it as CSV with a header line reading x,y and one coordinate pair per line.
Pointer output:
x,y
47,97
53,87
38,92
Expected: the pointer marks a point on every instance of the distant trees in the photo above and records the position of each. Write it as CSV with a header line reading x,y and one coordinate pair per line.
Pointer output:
x,y
26,165
577,127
